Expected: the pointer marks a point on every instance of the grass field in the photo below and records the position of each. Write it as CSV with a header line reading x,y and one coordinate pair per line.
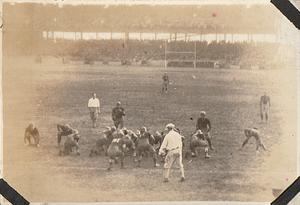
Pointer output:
x,y
51,93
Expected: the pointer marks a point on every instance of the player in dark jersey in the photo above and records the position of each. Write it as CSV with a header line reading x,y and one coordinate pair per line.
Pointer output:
x,y
265,104
71,145
144,145
118,114
64,130
165,83
204,125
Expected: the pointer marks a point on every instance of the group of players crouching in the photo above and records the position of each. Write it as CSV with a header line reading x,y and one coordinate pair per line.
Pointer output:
x,y
118,143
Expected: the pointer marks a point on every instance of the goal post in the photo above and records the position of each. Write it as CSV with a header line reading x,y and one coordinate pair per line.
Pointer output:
x,y
192,54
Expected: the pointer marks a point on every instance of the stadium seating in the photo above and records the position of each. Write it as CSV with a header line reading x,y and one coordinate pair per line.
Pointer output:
x,y
245,55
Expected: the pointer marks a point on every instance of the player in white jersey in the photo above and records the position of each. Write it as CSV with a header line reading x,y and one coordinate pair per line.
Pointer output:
x,y
253,132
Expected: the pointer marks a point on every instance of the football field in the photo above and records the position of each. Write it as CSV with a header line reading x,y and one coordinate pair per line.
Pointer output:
x,y
51,93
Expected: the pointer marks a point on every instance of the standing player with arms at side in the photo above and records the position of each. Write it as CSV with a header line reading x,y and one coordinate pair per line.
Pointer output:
x,y
94,108
265,104
165,83
118,114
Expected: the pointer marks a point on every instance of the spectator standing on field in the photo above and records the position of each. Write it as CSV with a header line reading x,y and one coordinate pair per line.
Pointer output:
x,y
94,108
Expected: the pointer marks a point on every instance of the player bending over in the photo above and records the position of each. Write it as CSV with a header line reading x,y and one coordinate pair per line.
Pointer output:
x,y
64,130
253,132
32,132
71,145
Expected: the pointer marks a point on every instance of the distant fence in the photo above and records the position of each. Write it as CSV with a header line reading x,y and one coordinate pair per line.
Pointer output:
x,y
199,64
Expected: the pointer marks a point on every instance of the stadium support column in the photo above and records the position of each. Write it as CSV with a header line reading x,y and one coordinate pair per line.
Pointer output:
x,y
165,53
126,36
195,54
216,32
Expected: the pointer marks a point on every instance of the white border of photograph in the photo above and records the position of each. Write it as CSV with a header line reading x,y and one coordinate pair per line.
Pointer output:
x,y
290,35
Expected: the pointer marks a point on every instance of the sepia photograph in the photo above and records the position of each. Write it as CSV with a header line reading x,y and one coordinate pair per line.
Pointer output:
x,y
148,101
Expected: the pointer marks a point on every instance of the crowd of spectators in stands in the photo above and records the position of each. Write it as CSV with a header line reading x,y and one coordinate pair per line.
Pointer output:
x,y
238,53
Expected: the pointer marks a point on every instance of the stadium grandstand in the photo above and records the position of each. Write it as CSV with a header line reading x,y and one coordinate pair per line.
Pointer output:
x,y
185,35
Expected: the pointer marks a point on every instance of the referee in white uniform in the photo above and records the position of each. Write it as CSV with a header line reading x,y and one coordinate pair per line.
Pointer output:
x,y
94,108
172,147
